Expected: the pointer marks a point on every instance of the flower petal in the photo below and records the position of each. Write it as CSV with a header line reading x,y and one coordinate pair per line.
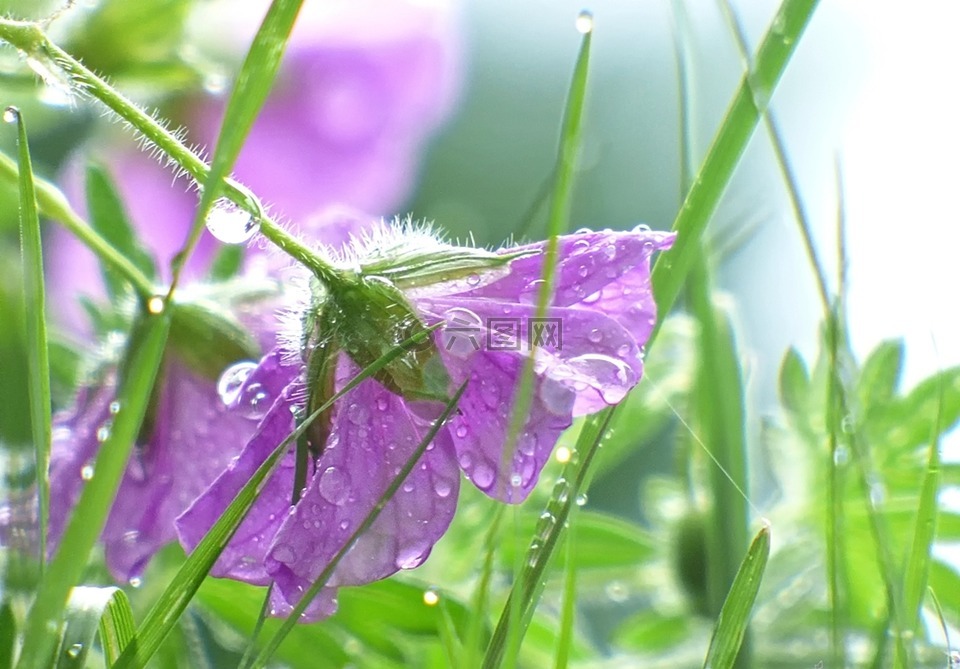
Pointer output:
x,y
242,559
373,434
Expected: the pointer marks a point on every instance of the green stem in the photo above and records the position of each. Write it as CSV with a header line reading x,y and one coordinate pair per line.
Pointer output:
x,y
29,38
54,205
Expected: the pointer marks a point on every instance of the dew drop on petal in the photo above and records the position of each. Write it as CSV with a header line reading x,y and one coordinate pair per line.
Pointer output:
x,y
462,431
334,485
483,475
231,381
442,487
595,336
382,403
516,480
412,555
473,279
623,350
230,224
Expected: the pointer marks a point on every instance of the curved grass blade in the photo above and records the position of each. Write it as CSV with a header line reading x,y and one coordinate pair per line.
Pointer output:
x,y
144,354
8,634
89,610
34,298
250,91
734,617
740,121
167,610
288,624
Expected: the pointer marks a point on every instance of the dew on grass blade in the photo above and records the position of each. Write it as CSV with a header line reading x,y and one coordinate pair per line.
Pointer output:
x,y
584,22
431,597
11,115
230,224
155,305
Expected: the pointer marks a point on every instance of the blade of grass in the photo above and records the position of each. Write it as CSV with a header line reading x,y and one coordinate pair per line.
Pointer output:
x,y
481,595
86,610
8,634
925,529
117,627
162,618
741,119
144,352
734,617
528,586
368,521
252,87
568,609
34,302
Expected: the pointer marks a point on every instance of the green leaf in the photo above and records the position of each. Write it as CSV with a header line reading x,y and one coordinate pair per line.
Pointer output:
x,y
34,301
89,610
794,383
108,217
227,263
944,580
907,423
651,631
880,376
731,625
137,375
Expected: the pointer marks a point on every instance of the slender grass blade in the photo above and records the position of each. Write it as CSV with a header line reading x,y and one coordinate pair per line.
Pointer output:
x,y
88,610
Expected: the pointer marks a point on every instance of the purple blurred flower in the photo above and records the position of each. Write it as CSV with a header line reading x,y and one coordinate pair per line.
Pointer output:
x,y
604,305
363,86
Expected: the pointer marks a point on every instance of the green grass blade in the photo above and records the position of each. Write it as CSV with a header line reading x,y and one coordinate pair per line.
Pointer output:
x,y
734,617
145,352
568,609
835,510
34,300
925,529
528,586
169,607
481,596
252,87
117,627
87,612
288,624
739,123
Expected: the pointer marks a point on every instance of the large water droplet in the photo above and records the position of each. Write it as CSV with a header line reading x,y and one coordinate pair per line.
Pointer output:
x,y
11,115
483,475
584,22
358,414
595,336
74,651
442,487
611,377
230,224
232,380
334,485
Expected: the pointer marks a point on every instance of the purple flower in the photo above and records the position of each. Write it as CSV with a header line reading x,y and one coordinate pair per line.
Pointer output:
x,y
602,313
363,86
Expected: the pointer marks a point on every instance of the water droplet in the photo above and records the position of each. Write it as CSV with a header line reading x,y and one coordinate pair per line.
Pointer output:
x,y
610,376
483,475
135,581
284,553
130,537
408,486
545,524
610,251
595,336
641,228
382,403
215,83
253,401
841,456
103,432
86,472
114,407
581,499
232,380
584,22
562,455
623,350
155,305
473,279
431,597
848,424
11,115
74,651
617,592
583,271
561,489
461,431
358,414
230,224
442,487
516,480
591,298
344,524
412,555
334,485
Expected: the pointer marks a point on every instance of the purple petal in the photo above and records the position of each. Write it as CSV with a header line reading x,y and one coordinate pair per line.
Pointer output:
x,y
243,557
373,435
603,271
